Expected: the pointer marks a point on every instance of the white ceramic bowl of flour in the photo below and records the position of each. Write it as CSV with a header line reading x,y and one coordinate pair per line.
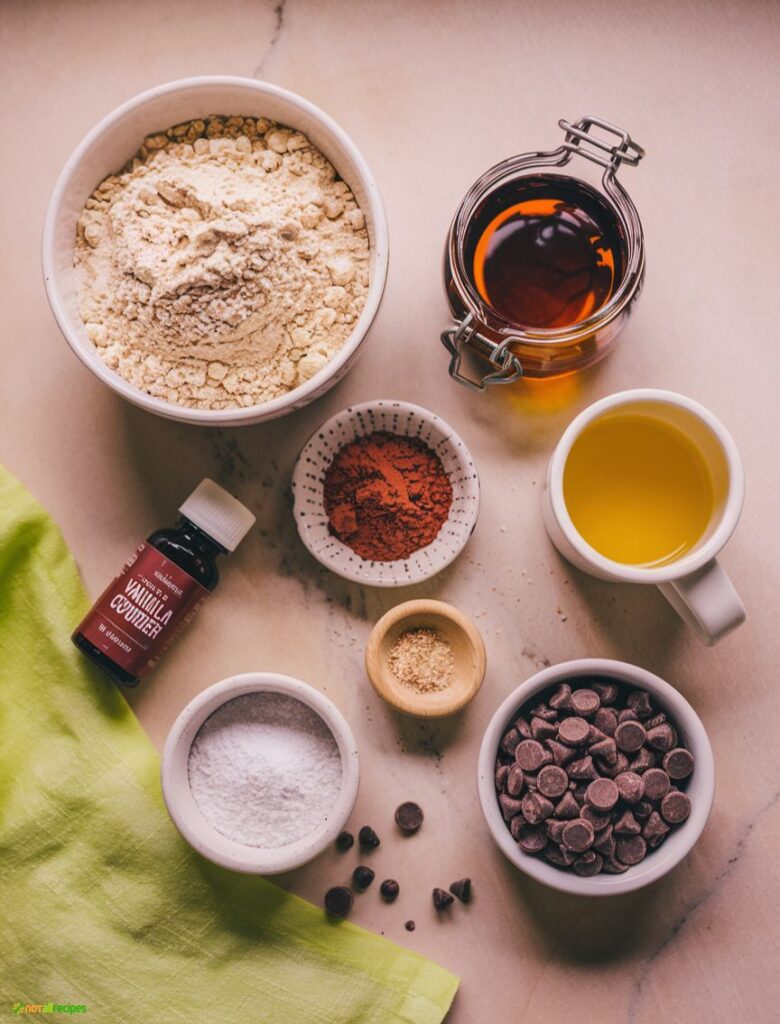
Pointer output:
x,y
260,773
114,140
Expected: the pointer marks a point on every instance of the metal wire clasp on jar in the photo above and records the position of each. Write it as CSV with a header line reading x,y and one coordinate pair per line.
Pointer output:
x,y
541,268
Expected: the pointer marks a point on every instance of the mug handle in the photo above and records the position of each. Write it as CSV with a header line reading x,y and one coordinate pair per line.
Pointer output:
x,y
707,601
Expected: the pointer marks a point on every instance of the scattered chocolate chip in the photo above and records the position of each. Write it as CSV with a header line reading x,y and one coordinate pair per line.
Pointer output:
x,y
410,926
567,808
630,735
639,702
509,806
462,889
338,901
389,890
561,699
678,763
510,741
541,730
529,755
604,843
598,821
345,841
643,760
582,769
554,829
675,807
442,899
523,728
408,817
362,877
561,754
606,749
368,838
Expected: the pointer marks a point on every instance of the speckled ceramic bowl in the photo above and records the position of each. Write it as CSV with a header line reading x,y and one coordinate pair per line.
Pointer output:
x,y
396,418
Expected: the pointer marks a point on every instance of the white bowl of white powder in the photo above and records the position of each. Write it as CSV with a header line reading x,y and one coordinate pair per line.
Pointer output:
x,y
260,773
136,324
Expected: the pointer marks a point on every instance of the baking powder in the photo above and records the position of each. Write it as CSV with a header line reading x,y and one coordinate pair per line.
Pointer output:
x,y
265,770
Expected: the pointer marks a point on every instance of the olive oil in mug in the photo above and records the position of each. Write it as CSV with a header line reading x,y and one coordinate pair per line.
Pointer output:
x,y
638,489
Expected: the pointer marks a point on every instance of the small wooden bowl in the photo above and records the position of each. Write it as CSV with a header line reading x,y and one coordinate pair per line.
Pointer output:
x,y
467,647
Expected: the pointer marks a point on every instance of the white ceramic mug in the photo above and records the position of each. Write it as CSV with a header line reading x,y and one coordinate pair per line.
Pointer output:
x,y
694,584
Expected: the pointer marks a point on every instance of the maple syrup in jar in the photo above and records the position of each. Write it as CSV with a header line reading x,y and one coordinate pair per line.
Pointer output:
x,y
542,267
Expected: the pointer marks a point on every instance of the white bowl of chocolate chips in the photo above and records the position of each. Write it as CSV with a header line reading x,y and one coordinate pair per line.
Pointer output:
x,y
596,777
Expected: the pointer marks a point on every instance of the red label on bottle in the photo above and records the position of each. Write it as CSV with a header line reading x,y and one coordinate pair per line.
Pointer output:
x,y
140,614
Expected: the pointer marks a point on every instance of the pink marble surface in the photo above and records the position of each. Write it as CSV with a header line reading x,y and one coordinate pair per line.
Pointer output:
x,y
434,93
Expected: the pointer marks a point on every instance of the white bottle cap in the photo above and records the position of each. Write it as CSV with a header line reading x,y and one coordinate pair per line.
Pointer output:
x,y
218,514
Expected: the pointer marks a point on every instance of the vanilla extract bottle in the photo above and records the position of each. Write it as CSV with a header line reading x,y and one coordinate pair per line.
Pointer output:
x,y
162,585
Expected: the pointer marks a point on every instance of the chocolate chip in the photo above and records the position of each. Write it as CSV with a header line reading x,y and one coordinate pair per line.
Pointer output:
x,y
561,699
585,702
588,864
614,867
568,807
582,769
606,721
530,755
408,817
606,749
462,889
345,841
368,838
523,728
662,737
643,810
627,825
535,808
410,926
604,842
515,780
628,715
442,899
630,849
639,702
502,771
552,781
656,783
613,770
561,754
509,741
578,835
338,901
542,711
531,838
389,890
557,856
541,730
598,821
643,760
658,719
555,829
602,795
675,807
608,692
655,830
509,806
630,735
630,786
516,825
678,763
573,731
362,877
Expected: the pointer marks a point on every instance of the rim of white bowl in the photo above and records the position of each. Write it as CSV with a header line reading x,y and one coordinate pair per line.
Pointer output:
x,y
658,862
187,817
360,570
242,415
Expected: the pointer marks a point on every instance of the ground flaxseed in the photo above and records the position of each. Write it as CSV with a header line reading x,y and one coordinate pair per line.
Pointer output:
x,y
422,659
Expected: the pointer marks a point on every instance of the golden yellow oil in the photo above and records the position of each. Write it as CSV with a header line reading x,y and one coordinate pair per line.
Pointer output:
x,y
638,490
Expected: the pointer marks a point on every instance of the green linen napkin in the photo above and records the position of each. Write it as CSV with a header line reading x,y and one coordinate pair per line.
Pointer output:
x,y
104,905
